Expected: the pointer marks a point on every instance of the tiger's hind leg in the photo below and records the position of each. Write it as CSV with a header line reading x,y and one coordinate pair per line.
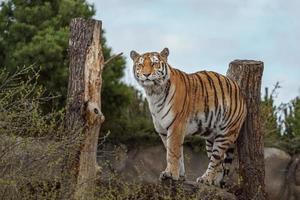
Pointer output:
x,y
221,144
226,165
209,148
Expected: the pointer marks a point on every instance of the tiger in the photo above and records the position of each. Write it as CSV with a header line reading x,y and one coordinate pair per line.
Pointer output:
x,y
203,103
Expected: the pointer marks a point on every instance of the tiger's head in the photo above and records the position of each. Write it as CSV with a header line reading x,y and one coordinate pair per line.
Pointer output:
x,y
151,69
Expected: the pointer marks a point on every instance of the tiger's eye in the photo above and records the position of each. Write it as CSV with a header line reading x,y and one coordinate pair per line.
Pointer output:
x,y
156,66
138,67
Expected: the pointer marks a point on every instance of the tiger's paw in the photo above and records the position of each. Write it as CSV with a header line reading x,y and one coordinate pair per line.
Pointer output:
x,y
206,179
182,178
165,175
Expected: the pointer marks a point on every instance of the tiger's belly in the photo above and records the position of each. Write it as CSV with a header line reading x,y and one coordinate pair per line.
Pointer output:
x,y
204,125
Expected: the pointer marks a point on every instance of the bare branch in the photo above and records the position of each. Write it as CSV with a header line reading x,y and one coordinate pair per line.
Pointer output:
x,y
112,58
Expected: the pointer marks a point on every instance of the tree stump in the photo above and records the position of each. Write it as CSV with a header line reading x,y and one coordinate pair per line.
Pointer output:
x,y
250,144
84,99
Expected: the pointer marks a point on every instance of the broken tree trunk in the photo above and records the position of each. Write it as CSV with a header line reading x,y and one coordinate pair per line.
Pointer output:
x,y
84,99
250,144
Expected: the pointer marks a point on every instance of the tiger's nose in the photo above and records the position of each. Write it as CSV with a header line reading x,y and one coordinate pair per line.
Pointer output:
x,y
146,74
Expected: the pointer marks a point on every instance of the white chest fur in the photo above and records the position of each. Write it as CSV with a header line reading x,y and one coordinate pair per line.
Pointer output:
x,y
161,110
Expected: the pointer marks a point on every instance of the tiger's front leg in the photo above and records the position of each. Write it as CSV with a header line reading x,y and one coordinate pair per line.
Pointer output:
x,y
182,169
174,147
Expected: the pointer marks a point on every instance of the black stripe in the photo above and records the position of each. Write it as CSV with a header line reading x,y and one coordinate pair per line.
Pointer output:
x,y
166,113
219,113
235,107
206,106
172,121
201,83
220,147
172,96
185,96
217,157
163,134
210,119
219,136
216,150
228,160
212,85
208,145
207,132
238,117
165,69
166,92
186,82
223,97
195,92
210,142
198,96
221,87
226,143
221,140
229,86
230,150
159,100
226,172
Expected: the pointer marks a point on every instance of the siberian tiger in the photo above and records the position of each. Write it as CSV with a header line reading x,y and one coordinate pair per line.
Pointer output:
x,y
204,103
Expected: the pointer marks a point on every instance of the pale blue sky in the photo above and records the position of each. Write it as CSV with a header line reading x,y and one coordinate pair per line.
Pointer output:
x,y
208,34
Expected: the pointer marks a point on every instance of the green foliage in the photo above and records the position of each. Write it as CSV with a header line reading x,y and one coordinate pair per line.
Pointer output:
x,y
36,32
290,140
269,113
281,125
20,105
292,118
131,122
35,148
126,112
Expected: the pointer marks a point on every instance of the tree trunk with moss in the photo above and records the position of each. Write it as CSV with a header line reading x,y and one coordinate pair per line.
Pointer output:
x,y
250,144
84,99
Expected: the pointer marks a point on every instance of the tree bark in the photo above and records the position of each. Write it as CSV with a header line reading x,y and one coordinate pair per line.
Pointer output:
x,y
84,99
250,144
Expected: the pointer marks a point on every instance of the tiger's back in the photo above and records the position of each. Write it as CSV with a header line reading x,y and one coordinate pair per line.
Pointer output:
x,y
210,103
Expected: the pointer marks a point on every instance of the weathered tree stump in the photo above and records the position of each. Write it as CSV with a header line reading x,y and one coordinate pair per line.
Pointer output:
x,y
250,144
84,99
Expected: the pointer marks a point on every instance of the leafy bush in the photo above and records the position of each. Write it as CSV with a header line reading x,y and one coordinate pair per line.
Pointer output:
x,y
37,32
35,149
281,124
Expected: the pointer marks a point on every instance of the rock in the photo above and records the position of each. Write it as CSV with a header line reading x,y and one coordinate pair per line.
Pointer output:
x,y
276,163
145,164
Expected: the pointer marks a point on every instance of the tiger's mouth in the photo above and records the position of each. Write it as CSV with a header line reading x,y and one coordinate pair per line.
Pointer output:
x,y
147,82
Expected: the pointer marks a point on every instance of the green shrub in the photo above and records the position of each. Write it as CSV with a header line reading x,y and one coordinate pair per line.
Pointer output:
x,y
35,149
281,124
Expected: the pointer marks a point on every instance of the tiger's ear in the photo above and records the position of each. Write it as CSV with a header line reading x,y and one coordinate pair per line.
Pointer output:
x,y
164,53
134,55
